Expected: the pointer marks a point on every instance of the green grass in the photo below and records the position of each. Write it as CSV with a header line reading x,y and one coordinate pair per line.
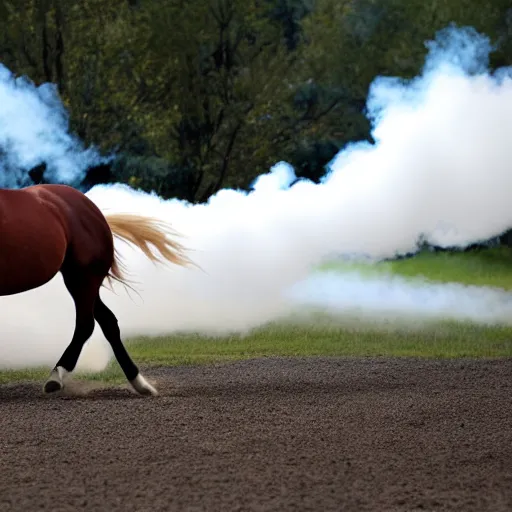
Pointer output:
x,y
491,267
326,336
446,339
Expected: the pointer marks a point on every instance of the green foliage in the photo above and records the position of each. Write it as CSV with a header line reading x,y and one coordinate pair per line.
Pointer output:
x,y
204,94
156,174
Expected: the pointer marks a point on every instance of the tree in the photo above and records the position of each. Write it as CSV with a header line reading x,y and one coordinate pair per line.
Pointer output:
x,y
224,81
350,42
197,95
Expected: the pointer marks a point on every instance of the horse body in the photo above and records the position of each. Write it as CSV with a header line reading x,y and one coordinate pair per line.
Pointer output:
x,y
33,241
46,229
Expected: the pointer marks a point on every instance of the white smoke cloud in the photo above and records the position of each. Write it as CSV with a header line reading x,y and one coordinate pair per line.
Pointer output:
x,y
440,169
34,130
394,298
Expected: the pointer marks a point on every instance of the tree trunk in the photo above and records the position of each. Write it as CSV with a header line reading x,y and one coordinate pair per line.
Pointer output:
x,y
59,47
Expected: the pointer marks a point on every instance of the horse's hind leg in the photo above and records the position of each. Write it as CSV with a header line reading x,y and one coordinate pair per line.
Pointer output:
x,y
109,325
83,287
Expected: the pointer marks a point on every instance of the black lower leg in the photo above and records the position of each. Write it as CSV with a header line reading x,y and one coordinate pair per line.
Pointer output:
x,y
83,287
83,330
109,325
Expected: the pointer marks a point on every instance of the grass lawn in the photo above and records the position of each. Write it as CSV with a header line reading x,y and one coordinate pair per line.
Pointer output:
x,y
328,337
490,267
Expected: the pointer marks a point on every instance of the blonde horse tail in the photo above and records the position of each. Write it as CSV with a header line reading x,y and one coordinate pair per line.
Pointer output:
x,y
144,232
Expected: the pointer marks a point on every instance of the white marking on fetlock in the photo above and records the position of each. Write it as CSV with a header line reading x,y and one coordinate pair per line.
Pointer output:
x,y
62,373
142,386
57,377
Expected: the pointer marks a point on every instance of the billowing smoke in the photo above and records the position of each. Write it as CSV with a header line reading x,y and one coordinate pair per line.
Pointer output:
x,y
440,169
34,131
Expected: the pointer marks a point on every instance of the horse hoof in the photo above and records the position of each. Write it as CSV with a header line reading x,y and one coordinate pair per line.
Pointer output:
x,y
55,381
143,387
51,386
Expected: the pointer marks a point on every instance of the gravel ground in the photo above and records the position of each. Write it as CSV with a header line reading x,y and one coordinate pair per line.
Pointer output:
x,y
318,434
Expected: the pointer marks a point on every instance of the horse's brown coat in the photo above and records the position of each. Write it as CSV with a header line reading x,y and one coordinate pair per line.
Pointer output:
x,y
46,229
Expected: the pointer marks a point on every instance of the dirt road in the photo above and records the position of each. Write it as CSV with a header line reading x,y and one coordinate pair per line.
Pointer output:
x,y
317,434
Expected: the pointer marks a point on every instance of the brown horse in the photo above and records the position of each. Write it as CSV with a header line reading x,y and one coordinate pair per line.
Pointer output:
x,y
45,229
